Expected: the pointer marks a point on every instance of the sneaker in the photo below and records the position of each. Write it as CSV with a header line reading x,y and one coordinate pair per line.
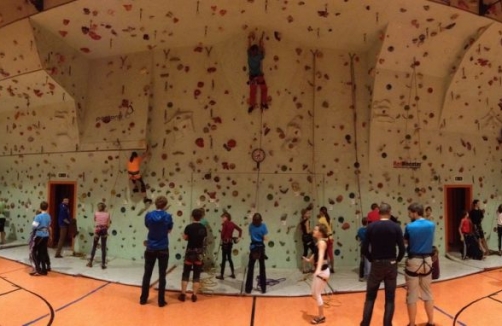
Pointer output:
x,y
58,256
103,266
232,276
250,109
49,269
220,277
89,264
35,273
142,302
162,304
194,298
182,297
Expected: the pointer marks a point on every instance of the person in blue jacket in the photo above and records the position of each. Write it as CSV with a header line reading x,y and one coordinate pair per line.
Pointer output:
x,y
159,224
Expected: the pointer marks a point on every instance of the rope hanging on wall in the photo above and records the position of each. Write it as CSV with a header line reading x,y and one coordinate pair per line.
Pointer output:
x,y
313,174
354,121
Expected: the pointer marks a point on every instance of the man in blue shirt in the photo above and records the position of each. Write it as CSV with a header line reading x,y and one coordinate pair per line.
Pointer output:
x,y
159,224
63,221
418,271
41,228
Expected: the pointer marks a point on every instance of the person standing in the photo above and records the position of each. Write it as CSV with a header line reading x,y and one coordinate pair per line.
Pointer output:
x,y
195,233
379,247
364,263
419,235
64,220
2,223
477,215
323,218
227,241
307,237
321,273
101,224
258,233
159,224
373,215
499,228
41,226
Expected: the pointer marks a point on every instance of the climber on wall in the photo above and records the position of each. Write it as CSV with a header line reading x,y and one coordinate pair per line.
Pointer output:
x,y
134,171
256,53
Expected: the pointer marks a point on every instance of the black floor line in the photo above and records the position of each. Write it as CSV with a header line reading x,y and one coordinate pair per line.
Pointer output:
x,y
37,295
473,302
9,292
253,310
499,301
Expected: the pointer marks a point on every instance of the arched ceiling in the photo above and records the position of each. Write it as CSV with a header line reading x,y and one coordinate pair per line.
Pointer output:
x,y
429,32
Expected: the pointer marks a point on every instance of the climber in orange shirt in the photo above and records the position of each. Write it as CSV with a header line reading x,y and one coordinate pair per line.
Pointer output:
x,y
133,169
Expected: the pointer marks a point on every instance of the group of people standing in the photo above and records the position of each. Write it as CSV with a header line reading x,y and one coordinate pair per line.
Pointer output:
x,y
384,247
160,223
41,233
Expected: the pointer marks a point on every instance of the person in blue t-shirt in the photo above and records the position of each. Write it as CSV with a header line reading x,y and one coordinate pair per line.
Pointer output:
x,y
159,224
418,271
257,231
364,263
41,226
256,53
64,220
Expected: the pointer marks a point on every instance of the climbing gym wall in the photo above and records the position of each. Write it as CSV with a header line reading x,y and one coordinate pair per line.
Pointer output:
x,y
391,109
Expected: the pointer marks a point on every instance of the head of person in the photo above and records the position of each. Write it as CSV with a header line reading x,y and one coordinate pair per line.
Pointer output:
x,y
161,202
415,211
133,156
374,206
257,219
226,216
306,213
66,201
254,49
364,221
428,211
499,210
465,214
384,210
475,203
101,207
197,214
44,206
320,231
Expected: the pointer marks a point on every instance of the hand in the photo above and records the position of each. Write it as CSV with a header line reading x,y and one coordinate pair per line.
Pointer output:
x,y
462,238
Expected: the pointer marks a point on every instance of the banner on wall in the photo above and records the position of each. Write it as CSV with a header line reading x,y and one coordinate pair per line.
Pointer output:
x,y
407,165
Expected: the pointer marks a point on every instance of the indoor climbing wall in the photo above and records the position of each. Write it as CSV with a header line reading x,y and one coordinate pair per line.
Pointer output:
x,y
390,109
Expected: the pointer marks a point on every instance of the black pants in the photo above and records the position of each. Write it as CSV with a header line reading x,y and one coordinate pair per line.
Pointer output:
x,y
150,257
308,244
499,232
380,271
40,255
103,248
253,257
226,249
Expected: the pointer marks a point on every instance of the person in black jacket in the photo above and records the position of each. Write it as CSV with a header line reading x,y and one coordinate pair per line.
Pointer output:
x,y
379,247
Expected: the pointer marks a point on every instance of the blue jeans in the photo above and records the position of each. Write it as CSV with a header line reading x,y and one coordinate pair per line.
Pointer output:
x,y
150,257
386,271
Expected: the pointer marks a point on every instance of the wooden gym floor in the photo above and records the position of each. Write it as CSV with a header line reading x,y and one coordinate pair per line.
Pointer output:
x,y
59,299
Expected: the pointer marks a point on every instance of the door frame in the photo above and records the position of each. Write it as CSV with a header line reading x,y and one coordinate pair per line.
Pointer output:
x,y
447,217
52,209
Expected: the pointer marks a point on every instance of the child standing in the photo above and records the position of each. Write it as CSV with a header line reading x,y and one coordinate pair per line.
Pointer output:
x,y
364,264
195,233
227,231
